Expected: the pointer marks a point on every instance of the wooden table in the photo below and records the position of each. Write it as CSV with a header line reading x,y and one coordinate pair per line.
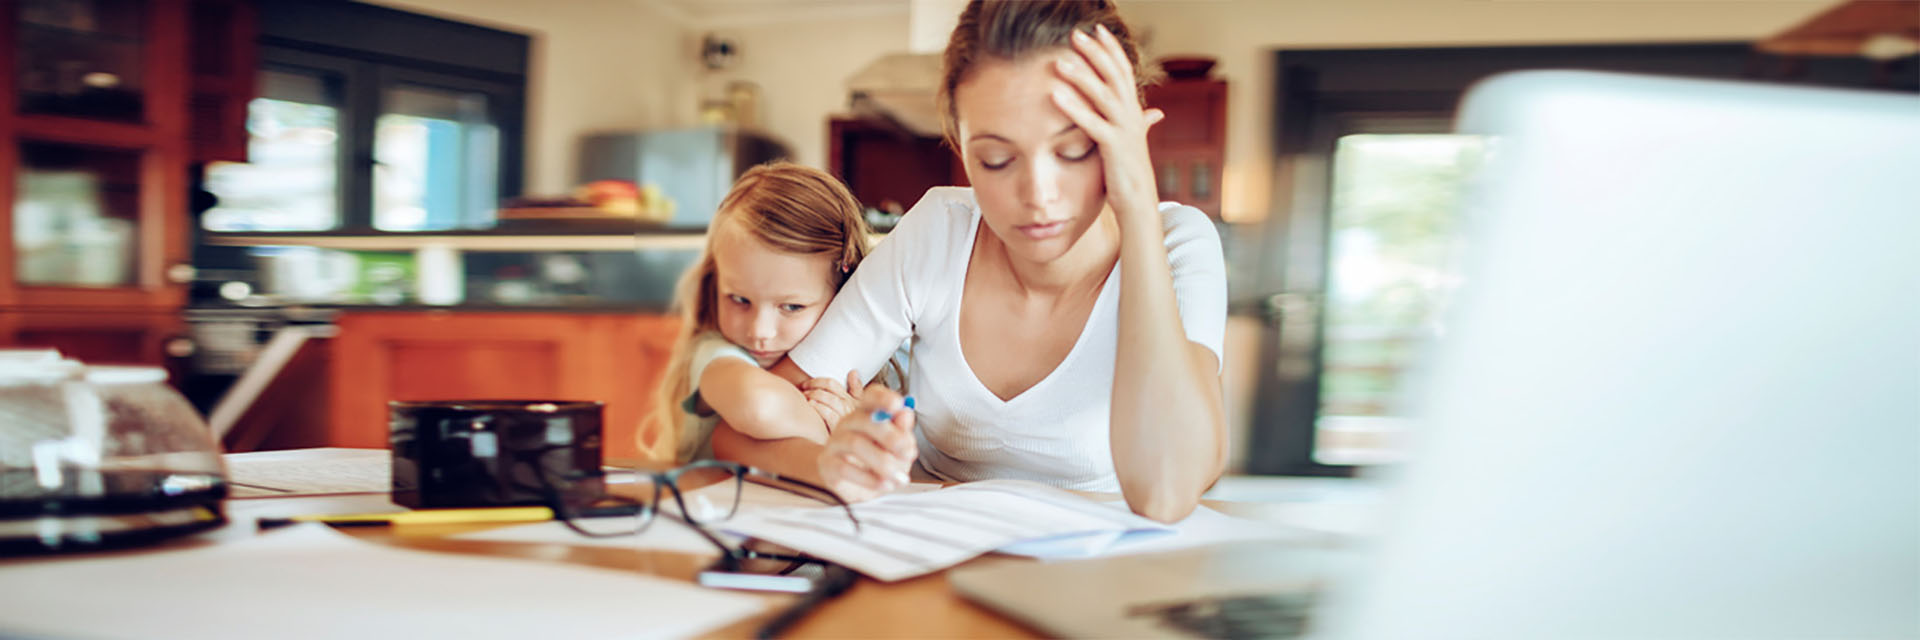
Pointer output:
x,y
924,607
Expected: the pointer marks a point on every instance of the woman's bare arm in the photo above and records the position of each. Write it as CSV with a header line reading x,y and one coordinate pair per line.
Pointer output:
x,y
1168,426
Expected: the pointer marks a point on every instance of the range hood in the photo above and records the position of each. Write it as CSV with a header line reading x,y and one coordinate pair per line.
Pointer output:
x,y
899,88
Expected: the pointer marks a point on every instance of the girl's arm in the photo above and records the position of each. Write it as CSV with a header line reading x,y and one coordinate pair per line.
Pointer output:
x,y
759,403
791,457
1168,426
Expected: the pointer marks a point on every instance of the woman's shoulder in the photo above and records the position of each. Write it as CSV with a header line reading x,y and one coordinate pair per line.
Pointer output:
x,y
941,216
944,206
1188,228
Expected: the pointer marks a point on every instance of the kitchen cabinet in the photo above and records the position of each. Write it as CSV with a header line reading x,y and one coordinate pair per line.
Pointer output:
x,y
887,167
153,338
381,356
1189,146
95,143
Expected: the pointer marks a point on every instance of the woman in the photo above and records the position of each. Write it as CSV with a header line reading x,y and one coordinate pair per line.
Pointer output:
x,y
1065,327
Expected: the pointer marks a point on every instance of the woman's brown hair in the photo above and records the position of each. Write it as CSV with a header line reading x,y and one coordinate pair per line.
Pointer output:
x,y
1009,30
787,207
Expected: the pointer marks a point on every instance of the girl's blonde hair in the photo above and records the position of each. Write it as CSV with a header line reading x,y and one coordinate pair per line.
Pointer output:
x,y
788,207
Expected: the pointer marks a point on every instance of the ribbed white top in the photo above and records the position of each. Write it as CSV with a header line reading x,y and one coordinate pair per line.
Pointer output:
x,y
1055,432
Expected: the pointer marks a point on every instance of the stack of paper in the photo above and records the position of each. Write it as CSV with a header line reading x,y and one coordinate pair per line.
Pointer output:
x,y
308,581
903,536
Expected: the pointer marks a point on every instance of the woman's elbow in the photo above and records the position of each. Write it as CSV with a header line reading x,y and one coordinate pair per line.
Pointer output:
x,y
1160,503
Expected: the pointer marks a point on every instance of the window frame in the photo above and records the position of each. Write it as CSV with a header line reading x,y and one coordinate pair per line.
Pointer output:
x,y
366,49
1323,94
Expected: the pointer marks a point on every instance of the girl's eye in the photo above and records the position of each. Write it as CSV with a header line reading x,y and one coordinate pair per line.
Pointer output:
x,y
996,163
1078,153
793,308
737,300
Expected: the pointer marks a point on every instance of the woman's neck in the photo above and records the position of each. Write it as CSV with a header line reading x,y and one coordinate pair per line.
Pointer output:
x,y
1083,266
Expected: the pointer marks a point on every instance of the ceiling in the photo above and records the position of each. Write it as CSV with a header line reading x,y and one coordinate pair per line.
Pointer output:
x,y
739,13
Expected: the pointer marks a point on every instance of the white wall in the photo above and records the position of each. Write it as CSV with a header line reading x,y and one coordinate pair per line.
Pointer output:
x,y
596,65
802,69
621,64
1241,34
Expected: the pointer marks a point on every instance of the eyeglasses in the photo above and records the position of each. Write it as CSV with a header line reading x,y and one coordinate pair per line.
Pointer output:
x,y
565,496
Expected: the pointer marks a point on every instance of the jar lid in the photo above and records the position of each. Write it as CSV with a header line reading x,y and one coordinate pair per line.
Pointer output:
x,y
125,374
37,366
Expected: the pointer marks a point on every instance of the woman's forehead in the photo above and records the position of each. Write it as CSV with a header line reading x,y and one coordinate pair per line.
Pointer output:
x,y
1011,99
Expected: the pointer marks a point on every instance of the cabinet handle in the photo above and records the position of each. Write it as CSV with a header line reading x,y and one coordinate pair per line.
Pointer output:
x,y
181,273
180,347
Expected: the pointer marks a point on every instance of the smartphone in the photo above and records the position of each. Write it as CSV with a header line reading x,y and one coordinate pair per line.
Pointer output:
x,y
781,576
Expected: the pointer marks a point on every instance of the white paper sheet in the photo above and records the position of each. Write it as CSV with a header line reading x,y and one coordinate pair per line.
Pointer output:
x,y
904,536
1204,526
308,581
667,533
309,472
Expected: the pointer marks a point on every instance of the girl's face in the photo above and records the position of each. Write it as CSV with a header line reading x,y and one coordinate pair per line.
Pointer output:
x,y
767,300
1038,177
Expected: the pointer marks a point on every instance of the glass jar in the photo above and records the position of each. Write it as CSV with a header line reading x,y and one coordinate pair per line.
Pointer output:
x,y
94,457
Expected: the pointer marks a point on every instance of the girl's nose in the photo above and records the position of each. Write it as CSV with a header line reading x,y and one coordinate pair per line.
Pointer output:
x,y
765,324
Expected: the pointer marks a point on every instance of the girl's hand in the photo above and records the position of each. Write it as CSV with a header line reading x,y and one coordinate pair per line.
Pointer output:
x,y
864,458
830,398
1098,93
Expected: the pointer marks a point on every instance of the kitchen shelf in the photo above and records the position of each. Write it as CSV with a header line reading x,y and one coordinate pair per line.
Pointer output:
x,y
468,241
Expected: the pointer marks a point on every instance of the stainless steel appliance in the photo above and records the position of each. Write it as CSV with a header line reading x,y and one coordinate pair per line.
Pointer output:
x,y
694,167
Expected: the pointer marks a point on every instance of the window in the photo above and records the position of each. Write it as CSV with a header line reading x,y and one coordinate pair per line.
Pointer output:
x,y
412,126
1394,249
291,179
436,160
1358,268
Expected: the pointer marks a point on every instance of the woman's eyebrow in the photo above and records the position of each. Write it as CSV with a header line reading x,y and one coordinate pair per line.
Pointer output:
x,y
1070,128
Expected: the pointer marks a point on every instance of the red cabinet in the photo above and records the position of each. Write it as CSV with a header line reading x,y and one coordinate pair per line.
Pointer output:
x,y
382,356
1189,146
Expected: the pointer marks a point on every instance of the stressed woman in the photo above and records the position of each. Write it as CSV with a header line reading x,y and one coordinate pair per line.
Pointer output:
x,y
1065,326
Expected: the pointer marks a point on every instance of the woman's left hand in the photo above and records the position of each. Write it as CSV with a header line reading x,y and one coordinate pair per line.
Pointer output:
x,y
1100,96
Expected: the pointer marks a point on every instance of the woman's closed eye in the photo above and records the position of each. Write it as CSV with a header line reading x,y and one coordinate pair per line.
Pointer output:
x,y
1074,153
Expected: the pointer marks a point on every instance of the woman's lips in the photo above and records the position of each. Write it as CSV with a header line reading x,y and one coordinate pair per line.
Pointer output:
x,y
765,355
1043,231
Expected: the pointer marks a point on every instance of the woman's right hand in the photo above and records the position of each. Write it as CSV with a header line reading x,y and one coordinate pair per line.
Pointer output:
x,y
863,458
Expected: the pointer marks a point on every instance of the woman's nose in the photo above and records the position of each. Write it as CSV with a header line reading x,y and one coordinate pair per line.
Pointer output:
x,y
1040,183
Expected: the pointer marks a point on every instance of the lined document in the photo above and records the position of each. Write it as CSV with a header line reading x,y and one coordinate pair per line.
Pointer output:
x,y
903,536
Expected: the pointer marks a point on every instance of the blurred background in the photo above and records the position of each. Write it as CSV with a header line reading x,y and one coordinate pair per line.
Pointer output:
x,y
306,208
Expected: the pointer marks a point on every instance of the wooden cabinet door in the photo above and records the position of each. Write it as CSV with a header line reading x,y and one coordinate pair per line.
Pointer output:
x,y
95,197
152,339
1189,147
380,357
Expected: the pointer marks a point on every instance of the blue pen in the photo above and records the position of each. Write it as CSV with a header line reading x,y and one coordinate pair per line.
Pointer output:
x,y
882,415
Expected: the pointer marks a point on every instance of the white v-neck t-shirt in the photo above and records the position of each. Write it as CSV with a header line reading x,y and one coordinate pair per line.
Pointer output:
x,y
1056,431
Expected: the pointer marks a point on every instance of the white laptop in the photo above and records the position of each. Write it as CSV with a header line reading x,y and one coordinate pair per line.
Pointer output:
x,y
1679,398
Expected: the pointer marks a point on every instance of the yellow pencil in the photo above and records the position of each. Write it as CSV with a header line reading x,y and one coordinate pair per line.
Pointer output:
x,y
448,516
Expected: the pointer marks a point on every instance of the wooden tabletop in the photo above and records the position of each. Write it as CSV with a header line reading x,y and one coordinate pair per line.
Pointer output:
x,y
924,607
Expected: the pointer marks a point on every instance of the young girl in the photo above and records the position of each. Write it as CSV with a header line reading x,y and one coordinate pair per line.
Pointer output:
x,y
783,241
